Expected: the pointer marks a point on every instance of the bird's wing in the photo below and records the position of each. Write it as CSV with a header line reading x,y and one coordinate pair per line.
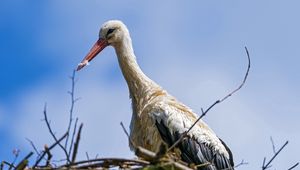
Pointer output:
x,y
195,148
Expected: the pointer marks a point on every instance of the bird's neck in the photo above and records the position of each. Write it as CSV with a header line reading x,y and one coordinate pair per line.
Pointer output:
x,y
138,83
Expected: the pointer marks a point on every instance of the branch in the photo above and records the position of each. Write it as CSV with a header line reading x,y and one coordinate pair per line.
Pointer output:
x,y
119,160
73,101
127,134
33,146
216,102
49,155
273,145
73,136
53,135
294,166
76,144
24,162
241,163
266,166
51,147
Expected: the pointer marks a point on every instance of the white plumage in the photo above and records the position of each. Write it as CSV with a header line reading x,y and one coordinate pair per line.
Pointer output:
x,y
157,116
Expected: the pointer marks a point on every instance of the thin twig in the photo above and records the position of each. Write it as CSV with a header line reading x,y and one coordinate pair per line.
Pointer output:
x,y
87,155
216,102
53,135
142,162
241,163
33,146
6,163
49,155
76,144
24,162
16,152
73,100
73,136
51,147
294,166
273,144
274,156
127,134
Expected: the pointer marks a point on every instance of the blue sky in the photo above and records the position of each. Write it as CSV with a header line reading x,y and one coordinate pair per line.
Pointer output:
x,y
194,49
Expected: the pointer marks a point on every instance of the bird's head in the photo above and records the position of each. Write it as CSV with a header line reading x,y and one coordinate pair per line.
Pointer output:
x,y
111,33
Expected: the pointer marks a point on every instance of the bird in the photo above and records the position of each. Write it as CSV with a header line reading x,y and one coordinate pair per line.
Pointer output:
x,y
157,116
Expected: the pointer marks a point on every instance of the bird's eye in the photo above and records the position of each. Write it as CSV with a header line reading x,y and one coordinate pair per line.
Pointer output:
x,y
111,30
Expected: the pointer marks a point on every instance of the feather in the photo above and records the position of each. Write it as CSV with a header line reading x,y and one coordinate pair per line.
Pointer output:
x,y
195,152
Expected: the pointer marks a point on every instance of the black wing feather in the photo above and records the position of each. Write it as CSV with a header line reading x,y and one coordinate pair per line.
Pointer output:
x,y
194,152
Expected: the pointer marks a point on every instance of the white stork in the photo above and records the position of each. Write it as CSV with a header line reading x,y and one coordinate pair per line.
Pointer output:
x,y
157,116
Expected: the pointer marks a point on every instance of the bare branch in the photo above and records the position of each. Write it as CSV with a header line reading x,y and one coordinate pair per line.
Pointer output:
x,y
49,155
115,160
16,153
52,133
241,163
6,163
294,166
73,100
127,134
274,156
51,147
273,145
23,163
244,80
76,144
216,102
73,136
33,146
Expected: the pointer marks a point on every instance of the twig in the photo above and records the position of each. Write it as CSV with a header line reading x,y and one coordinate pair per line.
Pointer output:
x,y
53,135
141,162
6,163
33,146
127,134
76,144
49,155
51,147
16,152
216,102
294,166
24,162
73,101
241,163
274,156
73,136
273,145
87,155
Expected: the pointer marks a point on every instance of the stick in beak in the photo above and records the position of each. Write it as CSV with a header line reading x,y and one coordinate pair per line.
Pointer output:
x,y
96,49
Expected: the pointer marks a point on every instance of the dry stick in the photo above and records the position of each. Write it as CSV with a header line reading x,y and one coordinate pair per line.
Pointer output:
x,y
53,135
33,146
7,163
51,147
275,155
142,162
273,144
241,163
16,153
49,155
73,136
73,101
24,162
294,166
76,144
216,102
127,134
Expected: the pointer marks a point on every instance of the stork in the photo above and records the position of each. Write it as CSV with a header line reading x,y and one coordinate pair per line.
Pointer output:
x,y
157,116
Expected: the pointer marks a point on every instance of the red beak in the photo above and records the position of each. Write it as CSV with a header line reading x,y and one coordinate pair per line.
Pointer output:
x,y
96,49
